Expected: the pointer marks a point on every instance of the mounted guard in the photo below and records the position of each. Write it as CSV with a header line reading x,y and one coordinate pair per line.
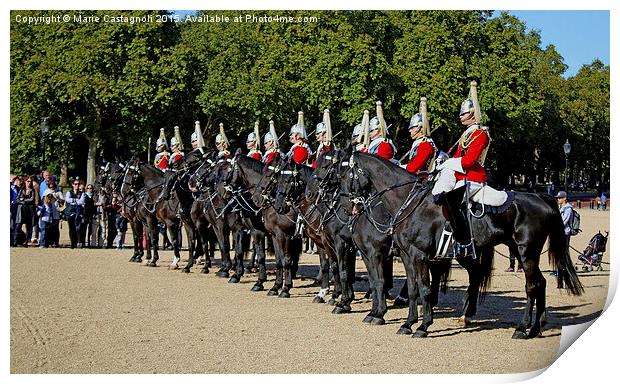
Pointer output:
x,y
198,141
464,174
300,151
380,145
323,136
253,143
272,147
221,143
359,137
162,156
423,150
176,146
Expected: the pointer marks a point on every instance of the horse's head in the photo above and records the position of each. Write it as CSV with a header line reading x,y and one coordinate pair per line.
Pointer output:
x,y
223,173
355,181
171,177
132,177
198,177
290,187
264,191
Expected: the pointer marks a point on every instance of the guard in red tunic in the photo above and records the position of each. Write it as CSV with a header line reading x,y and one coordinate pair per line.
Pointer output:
x,y
323,136
221,143
423,150
466,168
162,156
380,145
300,151
270,141
176,146
252,143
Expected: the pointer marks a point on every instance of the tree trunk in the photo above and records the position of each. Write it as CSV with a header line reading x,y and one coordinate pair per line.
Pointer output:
x,y
64,169
93,141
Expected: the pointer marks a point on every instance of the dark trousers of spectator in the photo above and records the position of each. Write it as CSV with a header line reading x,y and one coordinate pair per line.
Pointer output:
x,y
49,234
111,235
75,227
512,259
21,237
82,228
97,231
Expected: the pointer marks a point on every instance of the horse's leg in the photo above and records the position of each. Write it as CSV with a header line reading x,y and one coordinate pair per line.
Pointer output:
x,y
470,298
174,230
259,247
223,237
241,244
154,229
191,241
136,253
377,263
324,266
279,249
412,291
535,288
346,265
287,268
251,267
423,281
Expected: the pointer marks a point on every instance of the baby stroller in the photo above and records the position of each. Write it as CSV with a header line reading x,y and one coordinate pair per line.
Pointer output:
x,y
593,254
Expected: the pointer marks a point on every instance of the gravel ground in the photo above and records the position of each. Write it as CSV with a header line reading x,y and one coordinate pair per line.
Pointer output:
x,y
91,311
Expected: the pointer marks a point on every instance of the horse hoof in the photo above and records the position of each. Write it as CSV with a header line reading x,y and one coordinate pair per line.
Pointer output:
x,y
420,333
318,300
284,295
152,264
133,259
519,335
222,274
204,270
465,321
185,270
404,330
340,309
257,288
272,292
138,260
378,321
234,280
368,319
331,301
173,267
399,302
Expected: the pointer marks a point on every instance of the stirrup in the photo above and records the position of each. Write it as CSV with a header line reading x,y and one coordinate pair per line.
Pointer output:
x,y
466,250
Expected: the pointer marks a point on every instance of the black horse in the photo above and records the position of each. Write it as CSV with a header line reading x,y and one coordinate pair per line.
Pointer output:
x,y
260,180
290,193
370,236
417,222
144,183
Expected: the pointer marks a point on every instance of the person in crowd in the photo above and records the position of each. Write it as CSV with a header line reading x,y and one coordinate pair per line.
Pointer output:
x,y
45,182
74,212
121,230
112,211
98,233
59,204
15,189
566,210
50,219
604,201
37,202
26,212
90,213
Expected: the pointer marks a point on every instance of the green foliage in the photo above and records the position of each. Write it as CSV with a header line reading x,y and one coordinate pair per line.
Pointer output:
x,y
138,78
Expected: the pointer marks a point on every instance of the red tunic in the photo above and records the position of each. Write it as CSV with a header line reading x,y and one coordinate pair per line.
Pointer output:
x,y
161,161
300,154
177,156
385,150
474,171
423,154
255,155
272,156
324,148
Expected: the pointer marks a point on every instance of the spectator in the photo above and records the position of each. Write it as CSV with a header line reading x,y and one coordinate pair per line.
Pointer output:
x,y
37,202
26,213
45,183
50,219
15,188
90,211
603,201
512,260
112,210
98,234
121,230
566,210
74,212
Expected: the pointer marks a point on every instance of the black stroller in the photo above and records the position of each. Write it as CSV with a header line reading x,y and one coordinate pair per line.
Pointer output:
x,y
593,254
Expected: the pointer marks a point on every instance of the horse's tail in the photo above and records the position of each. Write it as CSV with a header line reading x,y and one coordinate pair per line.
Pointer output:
x,y
558,252
486,271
